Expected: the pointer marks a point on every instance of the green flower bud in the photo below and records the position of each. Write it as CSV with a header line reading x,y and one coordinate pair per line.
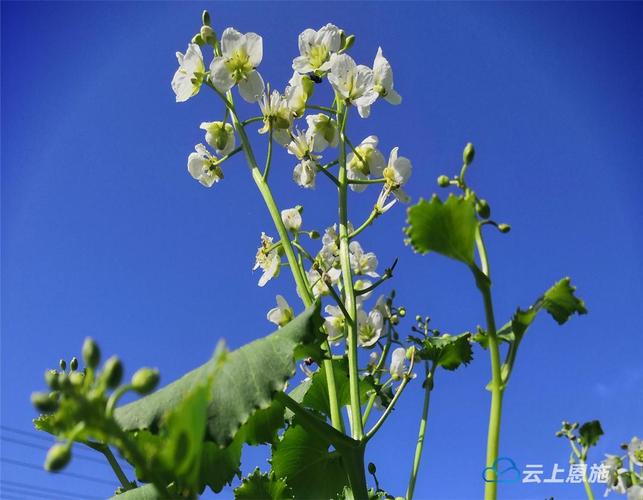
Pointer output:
x,y
44,402
73,365
76,379
91,353
205,18
51,379
443,181
197,39
418,318
58,457
504,228
314,235
468,154
63,364
371,468
113,372
401,311
207,34
348,42
395,319
145,380
483,209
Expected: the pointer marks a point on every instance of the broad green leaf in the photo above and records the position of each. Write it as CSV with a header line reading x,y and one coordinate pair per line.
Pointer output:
x,y
245,382
561,303
146,492
219,466
258,486
302,459
447,228
262,426
590,432
447,351
373,494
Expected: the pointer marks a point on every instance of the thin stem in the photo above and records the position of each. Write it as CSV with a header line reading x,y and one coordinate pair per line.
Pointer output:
x,y
375,213
387,275
496,385
266,169
251,120
376,371
339,302
389,408
349,291
380,180
324,170
428,387
321,108
229,155
115,396
116,467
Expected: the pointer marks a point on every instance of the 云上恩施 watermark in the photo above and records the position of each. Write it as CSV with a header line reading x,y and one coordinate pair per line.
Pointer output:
x,y
505,470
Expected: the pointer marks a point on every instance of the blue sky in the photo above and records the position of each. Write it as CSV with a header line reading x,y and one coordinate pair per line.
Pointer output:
x,y
105,234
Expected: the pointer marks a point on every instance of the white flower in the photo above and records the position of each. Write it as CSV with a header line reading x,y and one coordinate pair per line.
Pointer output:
x,y
398,363
241,54
635,492
362,263
369,327
383,81
353,82
202,166
397,174
276,115
316,47
334,323
299,89
368,160
383,307
267,259
360,285
188,78
301,146
220,136
635,451
322,131
282,314
615,481
291,218
304,173
317,281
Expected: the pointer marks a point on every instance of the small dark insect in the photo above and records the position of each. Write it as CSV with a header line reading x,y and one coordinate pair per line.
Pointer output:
x,y
314,77
309,361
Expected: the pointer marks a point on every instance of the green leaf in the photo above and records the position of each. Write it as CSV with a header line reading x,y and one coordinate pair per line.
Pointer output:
x,y
447,228
262,426
245,382
219,466
590,432
146,492
302,459
561,303
258,486
447,351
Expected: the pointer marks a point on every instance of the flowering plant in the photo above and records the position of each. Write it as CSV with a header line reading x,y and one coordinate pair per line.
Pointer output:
x,y
189,435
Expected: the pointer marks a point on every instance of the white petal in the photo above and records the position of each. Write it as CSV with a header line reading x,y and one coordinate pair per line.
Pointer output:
x,y
392,97
364,111
306,40
193,59
403,167
274,315
382,70
220,75
182,85
252,87
254,47
231,40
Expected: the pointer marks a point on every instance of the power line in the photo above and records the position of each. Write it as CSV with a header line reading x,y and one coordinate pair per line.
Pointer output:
x,y
64,473
25,433
44,489
23,494
44,447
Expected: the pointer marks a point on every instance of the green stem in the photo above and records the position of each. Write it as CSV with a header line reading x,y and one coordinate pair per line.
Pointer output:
x,y
496,386
266,169
321,108
381,180
349,291
428,387
125,483
377,377
375,213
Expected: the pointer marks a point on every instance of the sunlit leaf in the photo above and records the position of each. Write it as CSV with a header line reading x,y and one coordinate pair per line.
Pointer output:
x,y
447,351
258,486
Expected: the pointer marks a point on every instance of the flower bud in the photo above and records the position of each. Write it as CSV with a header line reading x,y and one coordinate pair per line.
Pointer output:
x,y
58,457
205,18
76,379
197,39
207,34
91,353
347,42
73,365
371,468
504,228
44,402
418,318
401,311
443,181
51,379
63,364
113,372
395,319
468,154
314,235
145,380
483,209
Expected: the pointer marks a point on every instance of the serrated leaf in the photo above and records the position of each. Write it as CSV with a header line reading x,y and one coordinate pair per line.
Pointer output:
x,y
561,303
447,351
447,228
258,486
262,426
219,466
302,459
246,381
590,432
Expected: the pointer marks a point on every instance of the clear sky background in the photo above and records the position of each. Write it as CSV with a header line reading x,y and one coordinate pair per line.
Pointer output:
x,y
104,233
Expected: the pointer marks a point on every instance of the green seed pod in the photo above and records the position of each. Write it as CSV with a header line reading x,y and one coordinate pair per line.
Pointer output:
x,y
418,318
73,364
44,402
483,209
401,311
443,181
371,468
58,457
205,18
113,372
468,154
91,353
145,380
51,379
314,235
504,228
63,364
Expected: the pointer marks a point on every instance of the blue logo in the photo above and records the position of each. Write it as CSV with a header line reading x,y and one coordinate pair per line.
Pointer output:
x,y
505,471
